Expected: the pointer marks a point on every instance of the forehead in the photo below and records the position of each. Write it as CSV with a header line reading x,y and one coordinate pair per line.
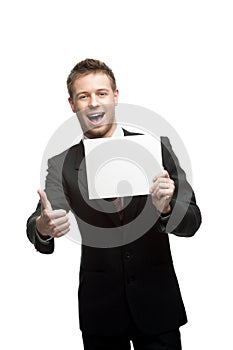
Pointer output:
x,y
92,81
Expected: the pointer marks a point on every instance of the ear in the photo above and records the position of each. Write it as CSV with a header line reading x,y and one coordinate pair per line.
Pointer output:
x,y
116,94
71,104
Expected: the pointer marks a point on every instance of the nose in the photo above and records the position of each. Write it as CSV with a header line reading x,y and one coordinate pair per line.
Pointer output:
x,y
93,101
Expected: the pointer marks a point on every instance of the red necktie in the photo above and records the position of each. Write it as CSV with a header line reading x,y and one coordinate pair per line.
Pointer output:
x,y
118,204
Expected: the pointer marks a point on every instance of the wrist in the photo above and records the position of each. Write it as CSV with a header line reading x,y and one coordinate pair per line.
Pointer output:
x,y
166,211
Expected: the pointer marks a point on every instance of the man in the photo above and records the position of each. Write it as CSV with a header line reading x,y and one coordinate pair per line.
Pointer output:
x,y
128,287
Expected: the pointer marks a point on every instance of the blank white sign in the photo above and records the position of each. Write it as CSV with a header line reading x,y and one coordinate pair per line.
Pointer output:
x,y
121,166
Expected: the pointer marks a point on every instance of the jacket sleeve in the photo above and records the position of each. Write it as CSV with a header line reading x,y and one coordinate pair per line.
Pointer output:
x,y
185,217
46,247
55,194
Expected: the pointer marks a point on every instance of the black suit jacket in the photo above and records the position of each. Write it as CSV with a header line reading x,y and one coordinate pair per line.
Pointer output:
x,y
126,271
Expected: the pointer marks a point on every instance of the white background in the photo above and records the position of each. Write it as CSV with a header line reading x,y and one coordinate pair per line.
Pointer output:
x,y
174,57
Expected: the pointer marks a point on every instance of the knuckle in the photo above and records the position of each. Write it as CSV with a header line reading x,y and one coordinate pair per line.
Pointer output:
x,y
51,224
49,217
55,231
45,214
67,225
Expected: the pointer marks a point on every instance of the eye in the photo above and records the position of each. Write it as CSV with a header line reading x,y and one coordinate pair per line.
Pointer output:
x,y
101,94
82,97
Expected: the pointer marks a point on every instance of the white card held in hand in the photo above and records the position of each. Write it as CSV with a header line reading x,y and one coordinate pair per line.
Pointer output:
x,y
121,166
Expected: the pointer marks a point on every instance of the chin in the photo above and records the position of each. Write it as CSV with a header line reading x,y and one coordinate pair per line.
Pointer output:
x,y
101,131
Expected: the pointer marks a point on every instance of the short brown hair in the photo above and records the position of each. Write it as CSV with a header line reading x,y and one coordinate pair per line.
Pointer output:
x,y
88,66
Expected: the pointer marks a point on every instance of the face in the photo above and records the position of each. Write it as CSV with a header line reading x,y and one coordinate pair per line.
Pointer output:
x,y
94,103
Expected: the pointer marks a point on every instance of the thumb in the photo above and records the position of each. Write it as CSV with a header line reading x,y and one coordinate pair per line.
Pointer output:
x,y
45,203
165,173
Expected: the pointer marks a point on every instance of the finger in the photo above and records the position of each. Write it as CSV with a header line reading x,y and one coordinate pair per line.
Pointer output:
x,y
58,229
54,218
164,193
45,203
62,233
165,180
162,183
54,214
60,221
161,191
152,189
164,174
156,186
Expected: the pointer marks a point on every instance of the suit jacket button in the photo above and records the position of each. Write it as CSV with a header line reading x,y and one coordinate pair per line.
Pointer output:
x,y
128,255
131,279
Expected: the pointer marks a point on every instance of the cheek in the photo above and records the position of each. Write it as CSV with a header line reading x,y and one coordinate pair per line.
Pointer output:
x,y
77,106
80,105
81,118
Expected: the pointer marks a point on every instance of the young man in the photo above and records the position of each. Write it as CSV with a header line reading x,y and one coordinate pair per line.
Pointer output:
x,y
127,291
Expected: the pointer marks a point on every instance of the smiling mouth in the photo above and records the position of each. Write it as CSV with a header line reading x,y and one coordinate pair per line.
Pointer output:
x,y
95,117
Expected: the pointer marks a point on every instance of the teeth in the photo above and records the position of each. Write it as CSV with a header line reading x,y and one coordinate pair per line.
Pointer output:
x,y
94,116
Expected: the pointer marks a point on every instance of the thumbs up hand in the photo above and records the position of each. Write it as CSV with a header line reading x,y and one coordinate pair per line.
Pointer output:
x,y
53,223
